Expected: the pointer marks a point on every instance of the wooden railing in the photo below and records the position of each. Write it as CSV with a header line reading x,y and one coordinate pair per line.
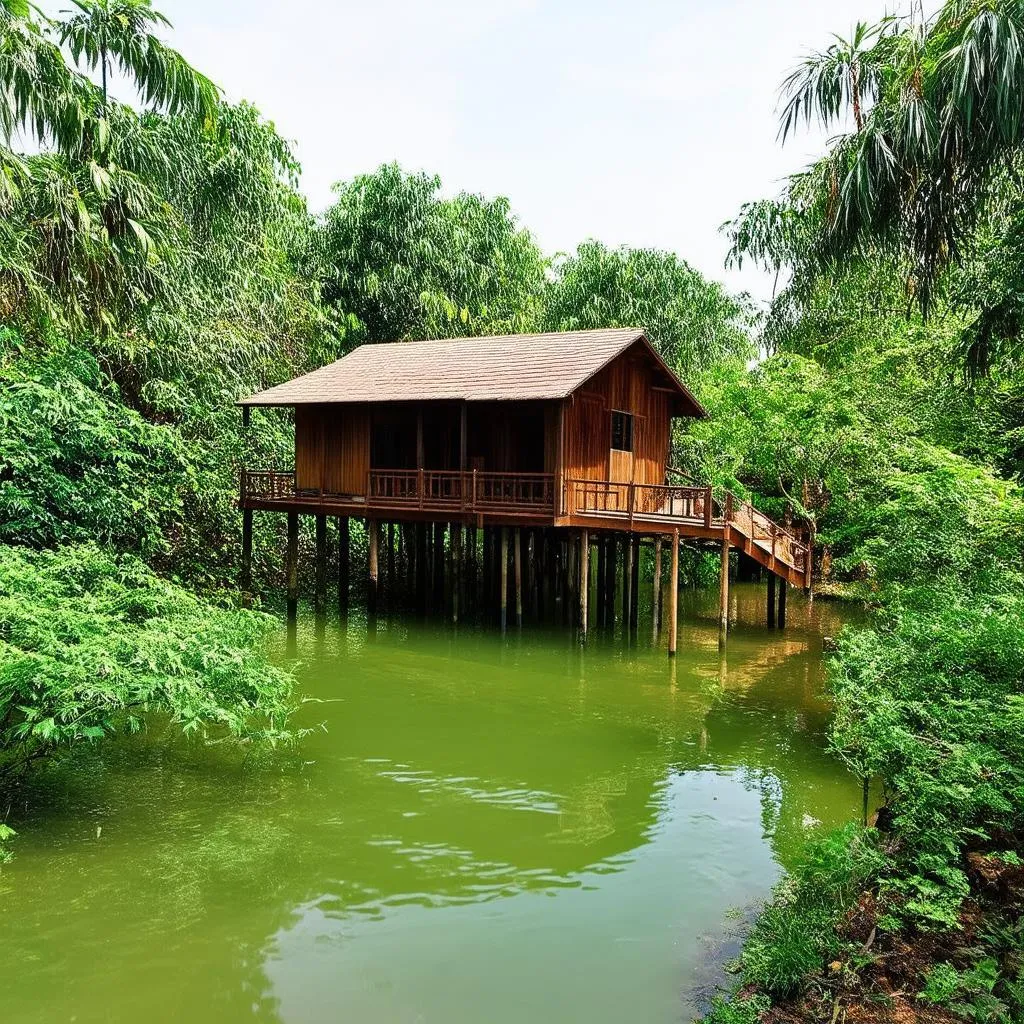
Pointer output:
x,y
267,485
534,493
427,489
648,501
689,505
775,541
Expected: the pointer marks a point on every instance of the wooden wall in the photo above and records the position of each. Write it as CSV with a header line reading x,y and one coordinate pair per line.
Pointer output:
x,y
332,448
626,385
332,442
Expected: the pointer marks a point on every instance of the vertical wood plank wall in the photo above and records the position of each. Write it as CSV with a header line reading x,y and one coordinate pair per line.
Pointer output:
x,y
572,437
625,385
332,447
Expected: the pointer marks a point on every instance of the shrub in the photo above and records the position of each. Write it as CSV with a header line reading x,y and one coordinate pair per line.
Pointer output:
x,y
90,642
796,933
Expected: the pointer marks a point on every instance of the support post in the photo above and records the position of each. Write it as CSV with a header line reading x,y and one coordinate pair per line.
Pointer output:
x,y
723,590
518,565
246,587
456,553
291,564
627,583
611,571
422,566
635,583
439,567
602,572
656,590
503,574
391,588
584,581
373,533
673,599
783,588
771,600
343,564
320,587
487,567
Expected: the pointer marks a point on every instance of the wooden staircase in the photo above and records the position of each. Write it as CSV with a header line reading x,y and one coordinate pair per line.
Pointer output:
x,y
695,512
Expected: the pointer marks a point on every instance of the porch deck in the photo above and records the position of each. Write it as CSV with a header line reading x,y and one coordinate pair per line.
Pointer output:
x,y
539,499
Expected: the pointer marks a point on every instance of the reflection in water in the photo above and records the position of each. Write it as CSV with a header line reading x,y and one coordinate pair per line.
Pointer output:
x,y
487,830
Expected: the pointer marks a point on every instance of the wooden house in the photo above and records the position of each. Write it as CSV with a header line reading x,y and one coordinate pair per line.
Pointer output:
x,y
567,431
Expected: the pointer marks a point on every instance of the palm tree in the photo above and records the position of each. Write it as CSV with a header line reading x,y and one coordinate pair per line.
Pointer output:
x,y
932,162
111,34
84,228
844,77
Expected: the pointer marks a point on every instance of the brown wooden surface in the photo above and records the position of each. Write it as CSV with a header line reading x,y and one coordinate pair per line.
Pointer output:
x,y
625,385
506,368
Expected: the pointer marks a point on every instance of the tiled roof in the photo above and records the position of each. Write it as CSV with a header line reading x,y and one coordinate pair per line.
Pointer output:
x,y
513,367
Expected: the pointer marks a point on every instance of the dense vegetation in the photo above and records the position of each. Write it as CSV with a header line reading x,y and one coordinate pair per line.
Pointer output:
x,y
891,402
158,261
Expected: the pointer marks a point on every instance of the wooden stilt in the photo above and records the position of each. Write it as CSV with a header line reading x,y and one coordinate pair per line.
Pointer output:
x,y
546,566
611,571
656,590
503,575
584,581
627,583
723,591
673,601
555,547
320,586
373,540
783,588
602,572
391,589
343,564
486,567
531,574
635,583
771,600
291,563
421,568
471,560
571,575
456,574
439,567
406,546
246,580
518,564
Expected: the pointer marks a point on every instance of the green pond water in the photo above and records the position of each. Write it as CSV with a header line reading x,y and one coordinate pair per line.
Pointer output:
x,y
485,830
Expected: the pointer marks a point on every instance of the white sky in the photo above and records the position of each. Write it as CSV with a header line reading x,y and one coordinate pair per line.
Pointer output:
x,y
644,122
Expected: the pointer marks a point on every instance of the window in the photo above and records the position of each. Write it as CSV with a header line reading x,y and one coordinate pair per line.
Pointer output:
x,y
622,431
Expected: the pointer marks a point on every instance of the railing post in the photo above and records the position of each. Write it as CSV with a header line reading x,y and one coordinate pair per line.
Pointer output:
x,y
473,505
632,500
708,499
419,485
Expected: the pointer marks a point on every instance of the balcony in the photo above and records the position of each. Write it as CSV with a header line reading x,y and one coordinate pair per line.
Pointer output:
x,y
473,492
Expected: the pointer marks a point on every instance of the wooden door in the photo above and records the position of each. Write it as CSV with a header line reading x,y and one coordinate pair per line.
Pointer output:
x,y
620,458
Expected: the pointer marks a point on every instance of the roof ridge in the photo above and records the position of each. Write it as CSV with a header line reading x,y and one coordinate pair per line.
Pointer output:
x,y
502,337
